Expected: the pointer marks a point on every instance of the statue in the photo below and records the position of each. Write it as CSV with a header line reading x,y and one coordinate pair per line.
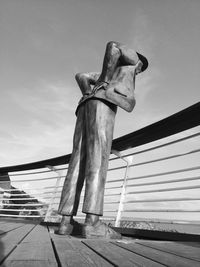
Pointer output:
x,y
102,93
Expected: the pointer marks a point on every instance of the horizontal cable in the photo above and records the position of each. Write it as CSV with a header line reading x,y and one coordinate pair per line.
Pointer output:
x,y
106,202
164,190
35,194
25,205
34,180
18,199
166,182
29,173
162,200
166,158
46,198
155,174
162,210
157,160
165,173
17,210
110,210
110,195
111,202
158,146
15,195
51,197
32,194
114,187
29,189
116,180
18,189
20,216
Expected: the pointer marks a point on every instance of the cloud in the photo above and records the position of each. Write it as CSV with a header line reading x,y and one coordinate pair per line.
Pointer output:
x,y
45,125
142,36
143,39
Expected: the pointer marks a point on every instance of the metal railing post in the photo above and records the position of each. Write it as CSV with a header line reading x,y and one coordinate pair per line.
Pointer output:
x,y
128,161
58,180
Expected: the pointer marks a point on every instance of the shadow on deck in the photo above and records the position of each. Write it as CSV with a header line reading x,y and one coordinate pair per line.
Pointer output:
x,y
27,243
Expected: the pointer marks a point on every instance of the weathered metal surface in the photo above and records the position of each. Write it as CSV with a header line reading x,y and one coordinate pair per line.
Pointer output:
x,y
94,130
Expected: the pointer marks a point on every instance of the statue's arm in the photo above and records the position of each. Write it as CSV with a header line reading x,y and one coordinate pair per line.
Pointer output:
x,y
118,55
85,80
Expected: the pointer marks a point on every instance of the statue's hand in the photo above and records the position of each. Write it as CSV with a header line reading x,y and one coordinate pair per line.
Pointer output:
x,y
99,85
83,98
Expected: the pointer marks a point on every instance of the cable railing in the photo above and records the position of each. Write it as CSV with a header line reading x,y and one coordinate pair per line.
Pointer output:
x,y
158,180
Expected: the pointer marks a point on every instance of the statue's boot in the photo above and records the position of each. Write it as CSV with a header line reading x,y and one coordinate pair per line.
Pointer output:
x,y
100,230
73,228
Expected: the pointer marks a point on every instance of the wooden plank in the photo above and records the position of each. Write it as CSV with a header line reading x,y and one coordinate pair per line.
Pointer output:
x,y
72,252
35,250
119,256
1,222
9,227
174,248
22,263
39,234
164,258
9,241
32,254
188,243
55,237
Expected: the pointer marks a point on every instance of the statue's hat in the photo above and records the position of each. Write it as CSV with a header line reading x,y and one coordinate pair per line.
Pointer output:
x,y
144,61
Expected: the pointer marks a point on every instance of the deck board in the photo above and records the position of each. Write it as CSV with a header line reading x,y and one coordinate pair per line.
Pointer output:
x,y
190,243
9,241
6,227
174,248
38,234
72,252
119,256
28,244
35,250
159,256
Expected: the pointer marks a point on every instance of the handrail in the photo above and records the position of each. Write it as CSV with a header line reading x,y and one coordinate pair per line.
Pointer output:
x,y
159,146
173,124
176,123
36,201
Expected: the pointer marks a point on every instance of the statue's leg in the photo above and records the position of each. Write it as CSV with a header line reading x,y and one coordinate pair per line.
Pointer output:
x,y
75,177
99,129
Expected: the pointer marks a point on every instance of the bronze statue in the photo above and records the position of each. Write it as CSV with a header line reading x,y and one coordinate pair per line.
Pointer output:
x,y
102,93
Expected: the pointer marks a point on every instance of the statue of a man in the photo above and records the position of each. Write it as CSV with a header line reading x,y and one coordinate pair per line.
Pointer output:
x,y
102,93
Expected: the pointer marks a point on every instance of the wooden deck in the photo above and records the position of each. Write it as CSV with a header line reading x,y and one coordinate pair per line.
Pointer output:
x,y
28,244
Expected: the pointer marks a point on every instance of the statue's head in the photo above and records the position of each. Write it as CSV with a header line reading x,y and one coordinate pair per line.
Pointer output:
x,y
142,64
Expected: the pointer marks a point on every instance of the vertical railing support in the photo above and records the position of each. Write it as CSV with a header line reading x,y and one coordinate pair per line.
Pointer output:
x,y
58,180
128,161
5,185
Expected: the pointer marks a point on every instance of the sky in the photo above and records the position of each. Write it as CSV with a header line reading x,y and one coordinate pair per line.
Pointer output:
x,y
44,43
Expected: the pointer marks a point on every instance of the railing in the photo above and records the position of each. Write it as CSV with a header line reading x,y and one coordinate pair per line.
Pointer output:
x,y
158,180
